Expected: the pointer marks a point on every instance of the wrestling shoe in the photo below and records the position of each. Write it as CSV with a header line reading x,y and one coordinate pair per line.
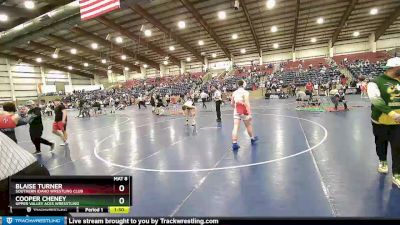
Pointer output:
x,y
383,167
254,140
52,146
235,146
396,180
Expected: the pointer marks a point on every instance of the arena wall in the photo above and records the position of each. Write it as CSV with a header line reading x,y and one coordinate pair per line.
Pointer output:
x,y
26,78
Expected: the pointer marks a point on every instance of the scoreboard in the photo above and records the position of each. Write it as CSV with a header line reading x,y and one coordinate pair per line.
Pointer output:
x,y
67,194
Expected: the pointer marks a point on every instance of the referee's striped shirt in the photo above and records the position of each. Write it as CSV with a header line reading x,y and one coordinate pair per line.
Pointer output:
x,y
13,158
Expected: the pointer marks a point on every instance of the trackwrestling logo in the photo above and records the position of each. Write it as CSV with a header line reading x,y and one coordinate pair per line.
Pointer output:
x,y
22,220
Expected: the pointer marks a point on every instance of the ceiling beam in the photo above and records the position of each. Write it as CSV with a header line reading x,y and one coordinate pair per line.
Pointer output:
x,y
387,23
250,22
68,55
296,24
151,19
46,58
189,6
50,66
115,47
343,20
91,52
137,39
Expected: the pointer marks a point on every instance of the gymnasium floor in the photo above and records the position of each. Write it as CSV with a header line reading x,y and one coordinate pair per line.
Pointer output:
x,y
306,163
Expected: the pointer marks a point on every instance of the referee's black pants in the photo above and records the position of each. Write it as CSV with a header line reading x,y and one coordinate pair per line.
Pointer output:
x,y
218,108
385,134
204,102
36,138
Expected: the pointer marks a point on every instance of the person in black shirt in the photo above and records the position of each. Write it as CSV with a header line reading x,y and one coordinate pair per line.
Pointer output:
x,y
60,121
36,127
153,103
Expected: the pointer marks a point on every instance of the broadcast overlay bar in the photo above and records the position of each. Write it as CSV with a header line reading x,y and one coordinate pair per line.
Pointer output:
x,y
63,194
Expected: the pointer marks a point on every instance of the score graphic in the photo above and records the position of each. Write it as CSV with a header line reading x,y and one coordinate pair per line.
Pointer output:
x,y
60,194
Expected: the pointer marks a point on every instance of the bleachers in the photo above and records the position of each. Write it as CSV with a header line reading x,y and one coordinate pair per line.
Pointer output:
x,y
317,70
294,66
243,71
368,70
368,64
172,85
314,75
372,57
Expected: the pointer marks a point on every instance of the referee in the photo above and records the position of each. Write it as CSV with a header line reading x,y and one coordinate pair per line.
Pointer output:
x,y
218,101
36,127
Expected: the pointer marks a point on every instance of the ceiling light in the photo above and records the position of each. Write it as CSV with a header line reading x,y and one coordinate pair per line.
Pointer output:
x,y
119,40
356,34
29,4
73,51
181,24
313,40
201,42
214,55
234,36
55,56
271,4
94,45
276,45
188,59
274,29
86,64
123,57
147,33
104,61
243,50
171,48
373,11
145,65
3,17
39,60
126,68
320,20
221,15
70,67
165,62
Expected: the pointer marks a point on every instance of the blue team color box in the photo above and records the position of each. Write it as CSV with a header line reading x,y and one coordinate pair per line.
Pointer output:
x,y
32,220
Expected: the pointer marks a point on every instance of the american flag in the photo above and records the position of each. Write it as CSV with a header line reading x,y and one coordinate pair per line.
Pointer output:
x,y
93,8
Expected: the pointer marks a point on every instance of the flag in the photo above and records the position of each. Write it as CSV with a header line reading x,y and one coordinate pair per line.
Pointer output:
x,y
93,8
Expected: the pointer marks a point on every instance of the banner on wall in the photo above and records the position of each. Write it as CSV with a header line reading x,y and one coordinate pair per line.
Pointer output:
x,y
220,65
71,88
44,89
